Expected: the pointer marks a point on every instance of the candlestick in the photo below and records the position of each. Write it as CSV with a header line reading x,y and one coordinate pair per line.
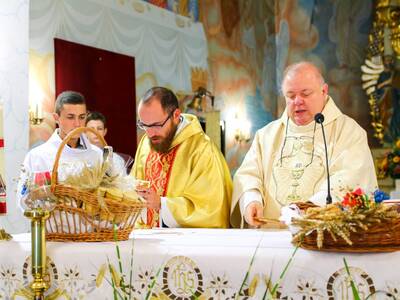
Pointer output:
x,y
36,114
38,218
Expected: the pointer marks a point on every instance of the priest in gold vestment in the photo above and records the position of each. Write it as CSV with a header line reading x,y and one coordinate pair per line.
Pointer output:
x,y
190,180
286,161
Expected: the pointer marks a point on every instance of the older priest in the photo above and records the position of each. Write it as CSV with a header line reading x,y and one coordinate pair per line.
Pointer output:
x,y
190,181
286,161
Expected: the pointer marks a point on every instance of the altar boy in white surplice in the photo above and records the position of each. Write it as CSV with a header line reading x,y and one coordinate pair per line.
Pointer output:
x,y
286,161
70,113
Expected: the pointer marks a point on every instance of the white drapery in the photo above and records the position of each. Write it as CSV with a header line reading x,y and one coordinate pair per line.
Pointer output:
x,y
162,43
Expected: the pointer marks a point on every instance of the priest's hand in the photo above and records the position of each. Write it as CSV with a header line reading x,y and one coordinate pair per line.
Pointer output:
x,y
253,209
153,200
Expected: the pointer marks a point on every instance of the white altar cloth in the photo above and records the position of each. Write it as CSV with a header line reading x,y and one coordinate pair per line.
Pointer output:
x,y
208,263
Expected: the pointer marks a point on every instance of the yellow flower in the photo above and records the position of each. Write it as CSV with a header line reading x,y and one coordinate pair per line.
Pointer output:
x,y
398,144
396,159
384,164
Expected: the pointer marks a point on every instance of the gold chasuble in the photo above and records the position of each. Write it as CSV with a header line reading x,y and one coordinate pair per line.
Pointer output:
x,y
286,163
193,177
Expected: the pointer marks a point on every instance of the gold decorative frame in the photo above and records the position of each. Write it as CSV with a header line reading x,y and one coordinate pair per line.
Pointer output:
x,y
384,44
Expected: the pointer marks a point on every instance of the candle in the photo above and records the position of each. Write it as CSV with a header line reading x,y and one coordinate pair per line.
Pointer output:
x,y
36,111
40,111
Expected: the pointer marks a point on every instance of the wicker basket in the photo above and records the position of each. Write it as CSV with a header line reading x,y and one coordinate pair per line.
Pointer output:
x,y
70,221
380,237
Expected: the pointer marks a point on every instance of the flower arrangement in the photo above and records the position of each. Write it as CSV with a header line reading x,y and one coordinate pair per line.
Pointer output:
x,y
357,199
35,191
357,213
34,180
390,165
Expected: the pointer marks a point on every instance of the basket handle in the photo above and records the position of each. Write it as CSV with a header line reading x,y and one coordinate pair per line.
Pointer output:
x,y
79,130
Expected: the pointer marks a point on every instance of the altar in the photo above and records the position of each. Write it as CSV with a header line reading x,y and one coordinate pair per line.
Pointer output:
x,y
198,263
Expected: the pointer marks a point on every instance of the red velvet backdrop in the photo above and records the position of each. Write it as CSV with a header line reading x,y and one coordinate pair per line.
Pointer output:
x,y
107,80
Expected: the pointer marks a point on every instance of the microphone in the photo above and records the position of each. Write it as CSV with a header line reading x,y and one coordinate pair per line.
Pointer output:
x,y
319,118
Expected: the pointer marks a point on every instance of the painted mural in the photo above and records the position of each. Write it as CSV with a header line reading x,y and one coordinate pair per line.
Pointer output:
x,y
187,8
251,42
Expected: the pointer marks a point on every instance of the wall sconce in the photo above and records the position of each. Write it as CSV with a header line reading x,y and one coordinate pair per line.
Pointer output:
x,y
36,114
242,130
199,101
202,92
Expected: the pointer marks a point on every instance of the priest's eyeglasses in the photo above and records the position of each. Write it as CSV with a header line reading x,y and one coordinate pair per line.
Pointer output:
x,y
145,127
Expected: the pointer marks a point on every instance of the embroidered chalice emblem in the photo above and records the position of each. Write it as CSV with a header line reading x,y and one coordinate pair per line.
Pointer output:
x,y
296,174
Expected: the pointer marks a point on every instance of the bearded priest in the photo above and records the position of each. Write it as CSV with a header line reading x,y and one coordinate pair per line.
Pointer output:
x,y
190,183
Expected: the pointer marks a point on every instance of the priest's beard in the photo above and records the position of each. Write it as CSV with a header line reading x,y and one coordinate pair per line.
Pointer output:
x,y
166,141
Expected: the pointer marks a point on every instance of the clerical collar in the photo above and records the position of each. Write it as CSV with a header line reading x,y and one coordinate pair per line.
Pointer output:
x,y
309,128
293,128
330,111
183,122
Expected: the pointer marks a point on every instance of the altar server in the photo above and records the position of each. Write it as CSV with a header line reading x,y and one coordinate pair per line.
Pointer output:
x,y
190,181
70,113
286,161
97,121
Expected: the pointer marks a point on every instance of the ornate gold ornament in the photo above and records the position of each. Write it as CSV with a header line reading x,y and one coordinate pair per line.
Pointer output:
x,y
381,71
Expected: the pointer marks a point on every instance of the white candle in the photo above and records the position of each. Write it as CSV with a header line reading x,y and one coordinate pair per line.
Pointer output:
x,y
39,110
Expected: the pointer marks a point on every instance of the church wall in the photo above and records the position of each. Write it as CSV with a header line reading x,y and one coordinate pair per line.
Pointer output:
x,y
14,40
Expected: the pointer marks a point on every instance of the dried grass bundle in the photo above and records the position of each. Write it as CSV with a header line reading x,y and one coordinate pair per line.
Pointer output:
x,y
88,178
95,179
339,222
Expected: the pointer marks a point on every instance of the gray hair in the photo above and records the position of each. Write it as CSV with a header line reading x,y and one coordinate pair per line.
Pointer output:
x,y
296,67
68,97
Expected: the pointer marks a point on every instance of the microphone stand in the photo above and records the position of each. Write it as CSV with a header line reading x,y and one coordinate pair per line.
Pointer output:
x,y
319,118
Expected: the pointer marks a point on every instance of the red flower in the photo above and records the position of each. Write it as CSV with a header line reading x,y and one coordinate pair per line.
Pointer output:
x,y
358,192
354,199
42,178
